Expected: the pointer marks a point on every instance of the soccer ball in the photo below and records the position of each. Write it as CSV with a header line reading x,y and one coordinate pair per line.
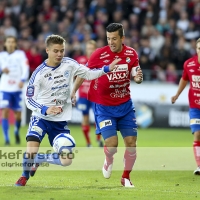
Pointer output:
x,y
63,143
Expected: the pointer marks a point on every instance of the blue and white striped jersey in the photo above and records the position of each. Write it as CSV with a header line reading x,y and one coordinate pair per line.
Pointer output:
x,y
18,66
52,86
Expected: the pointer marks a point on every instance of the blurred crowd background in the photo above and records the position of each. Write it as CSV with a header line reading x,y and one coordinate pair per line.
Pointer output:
x,y
163,32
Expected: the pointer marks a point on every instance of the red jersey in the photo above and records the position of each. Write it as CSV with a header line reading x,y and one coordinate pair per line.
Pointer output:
x,y
83,89
112,89
191,73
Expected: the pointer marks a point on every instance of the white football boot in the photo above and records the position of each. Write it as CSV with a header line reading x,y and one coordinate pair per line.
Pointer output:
x,y
197,171
126,182
107,169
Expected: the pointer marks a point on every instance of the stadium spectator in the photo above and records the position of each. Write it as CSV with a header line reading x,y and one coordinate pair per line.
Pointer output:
x,y
171,73
113,107
191,74
83,104
48,110
15,70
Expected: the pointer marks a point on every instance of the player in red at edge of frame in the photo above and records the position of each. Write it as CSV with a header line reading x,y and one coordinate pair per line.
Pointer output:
x,y
113,107
83,104
191,73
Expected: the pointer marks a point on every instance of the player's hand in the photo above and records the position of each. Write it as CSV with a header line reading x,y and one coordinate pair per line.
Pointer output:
x,y
21,84
73,99
112,65
174,98
54,110
5,70
139,76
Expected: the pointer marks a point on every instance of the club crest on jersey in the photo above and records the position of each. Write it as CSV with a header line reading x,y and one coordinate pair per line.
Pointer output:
x,y
30,91
66,74
128,60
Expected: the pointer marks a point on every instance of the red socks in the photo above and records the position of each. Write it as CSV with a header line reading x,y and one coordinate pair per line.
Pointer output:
x,y
196,148
86,130
109,155
98,137
129,160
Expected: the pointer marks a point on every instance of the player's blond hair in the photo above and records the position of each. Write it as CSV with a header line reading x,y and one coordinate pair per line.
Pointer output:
x,y
92,42
54,39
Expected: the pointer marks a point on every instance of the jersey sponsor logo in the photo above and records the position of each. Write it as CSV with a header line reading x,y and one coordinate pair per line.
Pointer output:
x,y
191,70
59,101
129,51
197,94
122,67
11,82
104,56
197,101
58,76
59,81
59,93
195,85
117,76
30,91
196,78
105,123
119,86
119,93
106,61
50,78
47,75
194,121
190,64
128,54
104,53
59,87
37,129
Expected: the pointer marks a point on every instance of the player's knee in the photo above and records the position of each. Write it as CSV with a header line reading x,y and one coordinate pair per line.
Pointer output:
x,y
130,141
197,135
111,142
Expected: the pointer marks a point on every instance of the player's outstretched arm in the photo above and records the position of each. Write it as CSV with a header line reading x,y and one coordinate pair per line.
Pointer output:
x,y
77,83
181,87
113,66
85,73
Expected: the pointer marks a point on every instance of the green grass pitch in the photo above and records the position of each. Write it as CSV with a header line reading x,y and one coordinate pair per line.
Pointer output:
x,y
163,171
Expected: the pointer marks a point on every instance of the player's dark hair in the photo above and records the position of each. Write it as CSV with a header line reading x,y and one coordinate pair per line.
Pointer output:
x,y
54,39
113,27
8,37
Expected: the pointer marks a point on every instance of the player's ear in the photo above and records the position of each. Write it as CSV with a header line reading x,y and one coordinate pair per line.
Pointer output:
x,y
47,50
123,38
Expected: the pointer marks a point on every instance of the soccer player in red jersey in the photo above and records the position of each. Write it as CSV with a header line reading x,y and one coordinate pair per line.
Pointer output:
x,y
83,104
113,107
191,73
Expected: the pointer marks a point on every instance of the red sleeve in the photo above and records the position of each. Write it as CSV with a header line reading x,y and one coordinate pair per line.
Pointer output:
x,y
94,60
185,75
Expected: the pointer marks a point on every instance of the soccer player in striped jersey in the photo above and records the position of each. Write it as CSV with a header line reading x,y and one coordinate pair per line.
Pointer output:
x,y
14,67
113,107
191,73
48,95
